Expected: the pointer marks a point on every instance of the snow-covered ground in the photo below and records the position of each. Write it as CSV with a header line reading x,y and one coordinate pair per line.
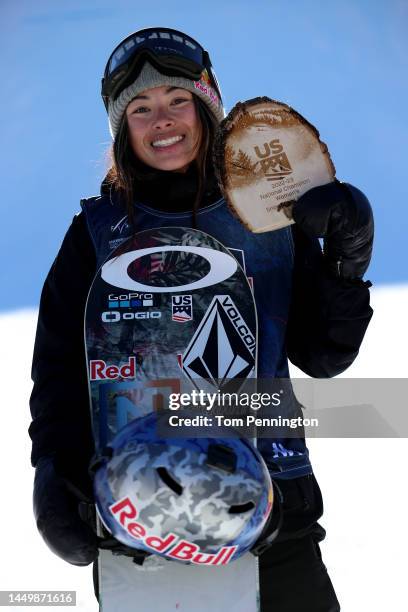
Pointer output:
x,y
26,563
365,494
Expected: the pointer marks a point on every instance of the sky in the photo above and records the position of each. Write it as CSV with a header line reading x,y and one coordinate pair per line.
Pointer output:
x,y
341,64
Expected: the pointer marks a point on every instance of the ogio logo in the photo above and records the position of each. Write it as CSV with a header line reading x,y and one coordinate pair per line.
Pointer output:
x,y
274,161
115,316
223,347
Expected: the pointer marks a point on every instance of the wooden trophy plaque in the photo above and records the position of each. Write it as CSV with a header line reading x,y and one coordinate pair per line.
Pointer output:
x,y
266,156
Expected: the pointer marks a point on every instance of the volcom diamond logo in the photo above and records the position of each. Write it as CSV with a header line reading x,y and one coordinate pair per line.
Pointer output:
x,y
223,347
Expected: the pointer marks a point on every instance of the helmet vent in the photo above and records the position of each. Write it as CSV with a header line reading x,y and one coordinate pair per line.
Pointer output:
x,y
240,508
168,480
221,457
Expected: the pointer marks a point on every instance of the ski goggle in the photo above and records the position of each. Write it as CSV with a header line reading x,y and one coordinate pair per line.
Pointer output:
x,y
171,52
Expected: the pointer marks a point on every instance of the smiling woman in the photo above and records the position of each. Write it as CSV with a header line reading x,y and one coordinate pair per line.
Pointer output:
x,y
164,105
164,123
164,128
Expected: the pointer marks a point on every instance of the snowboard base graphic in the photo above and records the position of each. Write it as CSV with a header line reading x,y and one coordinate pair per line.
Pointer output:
x,y
169,307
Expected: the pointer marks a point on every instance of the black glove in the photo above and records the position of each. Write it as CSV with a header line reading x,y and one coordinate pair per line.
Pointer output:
x,y
342,215
57,512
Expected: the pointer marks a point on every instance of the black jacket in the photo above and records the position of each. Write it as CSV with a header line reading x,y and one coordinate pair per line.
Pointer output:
x,y
327,323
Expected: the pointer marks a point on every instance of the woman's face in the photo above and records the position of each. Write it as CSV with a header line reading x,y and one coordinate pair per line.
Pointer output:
x,y
164,128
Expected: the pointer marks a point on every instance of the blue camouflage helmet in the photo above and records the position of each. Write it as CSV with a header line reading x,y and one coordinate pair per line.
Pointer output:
x,y
195,500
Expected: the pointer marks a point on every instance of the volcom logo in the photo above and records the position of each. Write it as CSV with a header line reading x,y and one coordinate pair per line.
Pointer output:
x,y
274,161
221,266
223,347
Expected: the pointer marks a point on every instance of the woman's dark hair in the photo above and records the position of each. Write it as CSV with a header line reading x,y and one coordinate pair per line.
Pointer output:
x,y
126,169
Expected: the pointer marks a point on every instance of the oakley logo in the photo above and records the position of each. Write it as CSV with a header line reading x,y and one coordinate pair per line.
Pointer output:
x,y
222,266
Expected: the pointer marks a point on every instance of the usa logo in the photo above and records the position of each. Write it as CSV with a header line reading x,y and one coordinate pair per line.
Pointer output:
x,y
181,308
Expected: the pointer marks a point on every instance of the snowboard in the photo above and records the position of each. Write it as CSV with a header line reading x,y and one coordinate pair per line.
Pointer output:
x,y
169,309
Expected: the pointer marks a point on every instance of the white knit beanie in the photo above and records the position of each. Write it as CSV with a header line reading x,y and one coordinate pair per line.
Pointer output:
x,y
149,78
